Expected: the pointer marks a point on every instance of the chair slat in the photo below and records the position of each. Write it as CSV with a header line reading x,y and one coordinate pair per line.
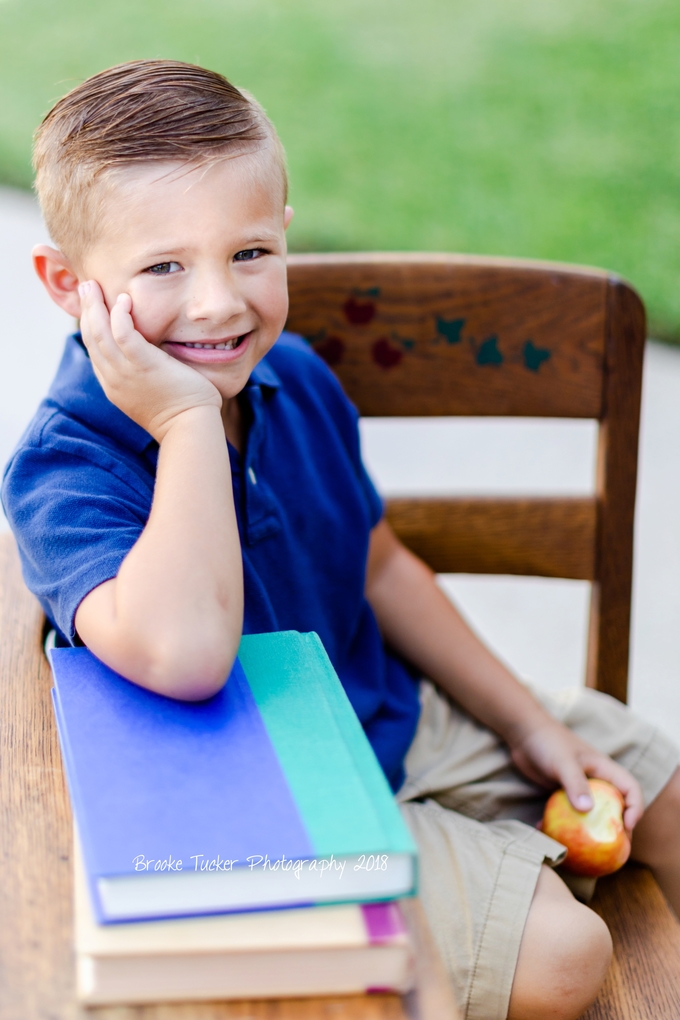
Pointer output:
x,y
443,334
608,647
540,536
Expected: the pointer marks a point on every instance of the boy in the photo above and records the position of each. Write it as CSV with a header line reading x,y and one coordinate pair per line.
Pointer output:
x,y
156,543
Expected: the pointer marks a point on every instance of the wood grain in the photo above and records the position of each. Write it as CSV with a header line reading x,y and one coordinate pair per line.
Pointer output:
x,y
609,638
37,967
35,891
443,334
546,537
348,1007
644,980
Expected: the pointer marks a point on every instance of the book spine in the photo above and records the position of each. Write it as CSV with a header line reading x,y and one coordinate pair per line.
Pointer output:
x,y
366,763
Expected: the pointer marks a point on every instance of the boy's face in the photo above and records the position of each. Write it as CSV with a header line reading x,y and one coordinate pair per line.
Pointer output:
x,y
202,254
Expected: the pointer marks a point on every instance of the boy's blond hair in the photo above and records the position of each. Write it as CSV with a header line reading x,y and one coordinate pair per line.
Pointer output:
x,y
137,113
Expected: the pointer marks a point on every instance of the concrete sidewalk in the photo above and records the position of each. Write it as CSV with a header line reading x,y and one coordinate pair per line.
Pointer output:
x,y
536,625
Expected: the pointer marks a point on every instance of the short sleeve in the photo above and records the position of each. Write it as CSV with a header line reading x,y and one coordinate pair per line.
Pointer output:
x,y
74,522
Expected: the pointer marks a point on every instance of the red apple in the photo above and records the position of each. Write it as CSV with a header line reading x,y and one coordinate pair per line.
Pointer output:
x,y
596,840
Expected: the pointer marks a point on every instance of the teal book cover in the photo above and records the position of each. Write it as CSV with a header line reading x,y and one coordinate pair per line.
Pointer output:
x,y
266,795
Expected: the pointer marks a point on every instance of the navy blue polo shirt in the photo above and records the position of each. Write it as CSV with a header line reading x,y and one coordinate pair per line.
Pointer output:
x,y
77,493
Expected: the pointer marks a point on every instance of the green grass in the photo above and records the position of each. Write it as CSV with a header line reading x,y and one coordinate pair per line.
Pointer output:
x,y
539,128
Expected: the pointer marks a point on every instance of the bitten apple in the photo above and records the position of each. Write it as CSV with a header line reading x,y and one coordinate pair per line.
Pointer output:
x,y
596,840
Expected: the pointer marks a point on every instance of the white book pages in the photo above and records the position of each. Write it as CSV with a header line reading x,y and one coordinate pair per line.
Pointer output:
x,y
267,954
249,975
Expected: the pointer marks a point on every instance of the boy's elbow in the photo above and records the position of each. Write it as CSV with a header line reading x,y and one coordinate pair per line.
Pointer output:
x,y
188,670
190,663
191,674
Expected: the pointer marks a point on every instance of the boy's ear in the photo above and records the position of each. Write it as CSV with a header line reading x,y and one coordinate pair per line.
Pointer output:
x,y
287,216
58,277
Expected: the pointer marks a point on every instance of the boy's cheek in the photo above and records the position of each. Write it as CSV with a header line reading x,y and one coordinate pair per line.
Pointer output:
x,y
151,323
278,308
150,334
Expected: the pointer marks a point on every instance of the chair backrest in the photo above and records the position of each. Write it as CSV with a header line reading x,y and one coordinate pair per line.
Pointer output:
x,y
459,335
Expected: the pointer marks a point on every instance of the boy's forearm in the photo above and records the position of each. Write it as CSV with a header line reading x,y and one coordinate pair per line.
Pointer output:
x,y
420,623
171,620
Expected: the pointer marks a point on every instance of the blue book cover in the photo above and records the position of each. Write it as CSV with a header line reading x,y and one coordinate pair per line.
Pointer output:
x,y
267,794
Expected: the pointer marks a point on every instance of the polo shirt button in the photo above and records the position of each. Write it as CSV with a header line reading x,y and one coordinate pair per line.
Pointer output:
x,y
252,476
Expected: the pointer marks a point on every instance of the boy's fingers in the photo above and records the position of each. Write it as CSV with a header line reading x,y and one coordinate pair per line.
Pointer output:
x,y
605,768
122,326
130,342
576,787
95,323
575,784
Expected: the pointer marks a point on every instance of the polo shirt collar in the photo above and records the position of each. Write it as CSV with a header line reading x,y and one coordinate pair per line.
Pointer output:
x,y
264,375
77,391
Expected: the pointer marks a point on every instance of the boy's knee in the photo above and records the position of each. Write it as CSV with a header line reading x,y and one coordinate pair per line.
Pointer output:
x,y
565,953
582,949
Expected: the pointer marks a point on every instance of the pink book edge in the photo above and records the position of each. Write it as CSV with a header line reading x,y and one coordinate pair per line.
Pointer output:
x,y
384,922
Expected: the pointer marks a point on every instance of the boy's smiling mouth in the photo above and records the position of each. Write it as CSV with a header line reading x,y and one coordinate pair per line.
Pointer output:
x,y
223,345
208,350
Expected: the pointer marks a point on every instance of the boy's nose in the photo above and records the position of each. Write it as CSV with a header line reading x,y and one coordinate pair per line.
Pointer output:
x,y
215,298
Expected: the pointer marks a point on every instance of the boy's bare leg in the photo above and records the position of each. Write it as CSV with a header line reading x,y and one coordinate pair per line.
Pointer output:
x,y
656,840
566,947
565,952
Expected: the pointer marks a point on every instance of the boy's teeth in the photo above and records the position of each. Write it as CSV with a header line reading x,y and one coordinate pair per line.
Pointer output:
x,y
226,345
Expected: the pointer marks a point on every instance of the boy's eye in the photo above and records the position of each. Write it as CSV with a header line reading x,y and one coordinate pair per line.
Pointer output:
x,y
164,268
248,254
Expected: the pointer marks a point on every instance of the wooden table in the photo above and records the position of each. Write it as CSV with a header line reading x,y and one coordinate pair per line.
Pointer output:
x,y
36,953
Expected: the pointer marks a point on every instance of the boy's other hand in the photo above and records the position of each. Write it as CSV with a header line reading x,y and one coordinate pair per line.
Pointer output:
x,y
147,384
550,755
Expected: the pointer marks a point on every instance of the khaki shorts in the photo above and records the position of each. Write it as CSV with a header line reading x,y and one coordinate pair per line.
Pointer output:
x,y
473,816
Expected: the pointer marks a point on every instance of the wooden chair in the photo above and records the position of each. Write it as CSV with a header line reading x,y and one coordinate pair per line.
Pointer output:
x,y
451,335
408,335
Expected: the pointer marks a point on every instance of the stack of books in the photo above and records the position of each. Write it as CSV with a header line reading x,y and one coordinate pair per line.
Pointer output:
x,y
247,846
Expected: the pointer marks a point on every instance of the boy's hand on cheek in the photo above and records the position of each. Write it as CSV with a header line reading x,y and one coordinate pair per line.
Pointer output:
x,y
147,384
552,755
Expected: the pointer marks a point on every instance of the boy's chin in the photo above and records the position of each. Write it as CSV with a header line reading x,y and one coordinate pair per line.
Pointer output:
x,y
228,381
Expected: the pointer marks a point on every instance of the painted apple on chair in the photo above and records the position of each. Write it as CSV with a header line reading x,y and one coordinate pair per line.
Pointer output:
x,y
359,313
596,840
